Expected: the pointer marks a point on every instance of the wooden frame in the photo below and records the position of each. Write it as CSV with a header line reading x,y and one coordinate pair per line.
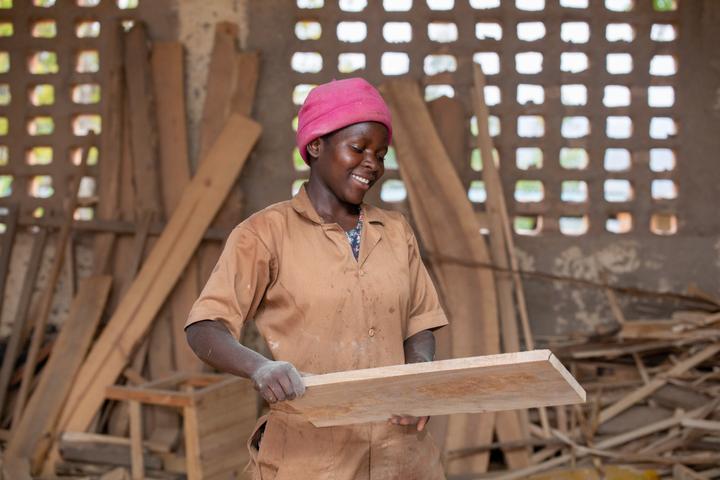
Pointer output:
x,y
219,414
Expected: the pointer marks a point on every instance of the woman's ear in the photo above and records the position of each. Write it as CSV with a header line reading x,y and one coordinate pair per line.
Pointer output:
x,y
313,148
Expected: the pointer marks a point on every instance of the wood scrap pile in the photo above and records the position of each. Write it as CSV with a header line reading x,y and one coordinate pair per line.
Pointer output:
x,y
653,390
149,261
653,386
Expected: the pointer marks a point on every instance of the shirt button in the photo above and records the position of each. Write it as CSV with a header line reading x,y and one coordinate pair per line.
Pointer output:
x,y
371,332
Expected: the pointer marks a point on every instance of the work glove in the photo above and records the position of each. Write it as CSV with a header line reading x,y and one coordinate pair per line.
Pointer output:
x,y
278,381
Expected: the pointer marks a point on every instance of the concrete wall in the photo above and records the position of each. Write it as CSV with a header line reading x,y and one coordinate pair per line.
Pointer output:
x,y
638,259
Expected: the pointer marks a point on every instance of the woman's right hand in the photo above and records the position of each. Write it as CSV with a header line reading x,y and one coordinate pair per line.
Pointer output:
x,y
278,381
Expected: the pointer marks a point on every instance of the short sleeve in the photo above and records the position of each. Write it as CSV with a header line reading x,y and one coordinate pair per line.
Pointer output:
x,y
237,284
425,312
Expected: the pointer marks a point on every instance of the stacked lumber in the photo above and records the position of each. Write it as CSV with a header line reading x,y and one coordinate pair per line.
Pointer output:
x,y
124,326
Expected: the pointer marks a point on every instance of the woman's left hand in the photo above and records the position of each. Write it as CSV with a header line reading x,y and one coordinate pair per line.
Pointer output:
x,y
409,420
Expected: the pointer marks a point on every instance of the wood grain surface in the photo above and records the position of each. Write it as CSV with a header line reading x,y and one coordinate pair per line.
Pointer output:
x,y
487,383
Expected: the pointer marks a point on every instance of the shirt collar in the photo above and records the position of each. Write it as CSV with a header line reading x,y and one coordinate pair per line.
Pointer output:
x,y
303,206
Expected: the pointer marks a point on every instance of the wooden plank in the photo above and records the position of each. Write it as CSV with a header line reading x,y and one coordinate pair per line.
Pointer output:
x,y
83,438
661,330
143,130
37,425
448,228
125,271
501,249
657,382
217,442
148,203
681,472
8,240
192,443
632,418
220,85
615,305
118,227
493,182
248,74
132,320
168,77
448,116
150,396
504,251
449,119
18,328
231,83
122,275
103,449
70,265
111,145
248,67
116,474
674,397
137,464
16,469
49,292
499,382
166,383
709,425
87,471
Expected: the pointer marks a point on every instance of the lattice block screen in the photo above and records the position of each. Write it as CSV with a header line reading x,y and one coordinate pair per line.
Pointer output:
x,y
51,96
582,96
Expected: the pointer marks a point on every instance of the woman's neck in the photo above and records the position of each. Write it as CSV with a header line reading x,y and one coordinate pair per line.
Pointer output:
x,y
330,208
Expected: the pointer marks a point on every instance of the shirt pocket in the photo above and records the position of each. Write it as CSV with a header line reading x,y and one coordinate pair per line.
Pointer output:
x,y
266,446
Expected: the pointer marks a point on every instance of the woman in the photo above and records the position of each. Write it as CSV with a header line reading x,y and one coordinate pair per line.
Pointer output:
x,y
333,284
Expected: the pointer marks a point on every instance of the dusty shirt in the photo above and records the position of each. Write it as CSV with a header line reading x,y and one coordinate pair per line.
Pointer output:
x,y
324,311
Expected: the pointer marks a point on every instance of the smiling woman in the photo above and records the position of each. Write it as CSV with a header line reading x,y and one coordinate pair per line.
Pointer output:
x,y
332,284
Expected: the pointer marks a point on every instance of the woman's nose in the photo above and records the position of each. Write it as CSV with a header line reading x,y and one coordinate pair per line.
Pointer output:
x,y
370,160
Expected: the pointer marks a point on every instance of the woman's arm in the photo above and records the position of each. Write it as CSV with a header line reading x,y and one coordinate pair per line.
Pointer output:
x,y
214,344
418,348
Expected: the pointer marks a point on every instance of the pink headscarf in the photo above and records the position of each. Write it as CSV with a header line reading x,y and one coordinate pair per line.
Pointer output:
x,y
337,104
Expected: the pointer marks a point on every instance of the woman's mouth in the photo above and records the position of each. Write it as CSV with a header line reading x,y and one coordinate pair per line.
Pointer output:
x,y
359,179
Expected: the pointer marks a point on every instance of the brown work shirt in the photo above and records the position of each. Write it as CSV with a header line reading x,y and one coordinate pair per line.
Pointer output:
x,y
319,308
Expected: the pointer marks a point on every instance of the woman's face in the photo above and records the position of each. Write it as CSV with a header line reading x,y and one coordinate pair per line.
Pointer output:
x,y
350,161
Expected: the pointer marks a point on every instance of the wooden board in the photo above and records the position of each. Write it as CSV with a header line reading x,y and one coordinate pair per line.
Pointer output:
x,y
218,441
503,256
103,450
8,240
143,130
167,63
489,383
658,382
111,146
46,300
448,115
449,119
220,84
451,238
14,344
36,427
133,317
230,88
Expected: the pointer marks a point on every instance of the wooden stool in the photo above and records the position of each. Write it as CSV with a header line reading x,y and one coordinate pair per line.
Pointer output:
x,y
219,413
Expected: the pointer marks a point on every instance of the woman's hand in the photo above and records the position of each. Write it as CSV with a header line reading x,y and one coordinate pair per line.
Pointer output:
x,y
409,420
278,381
